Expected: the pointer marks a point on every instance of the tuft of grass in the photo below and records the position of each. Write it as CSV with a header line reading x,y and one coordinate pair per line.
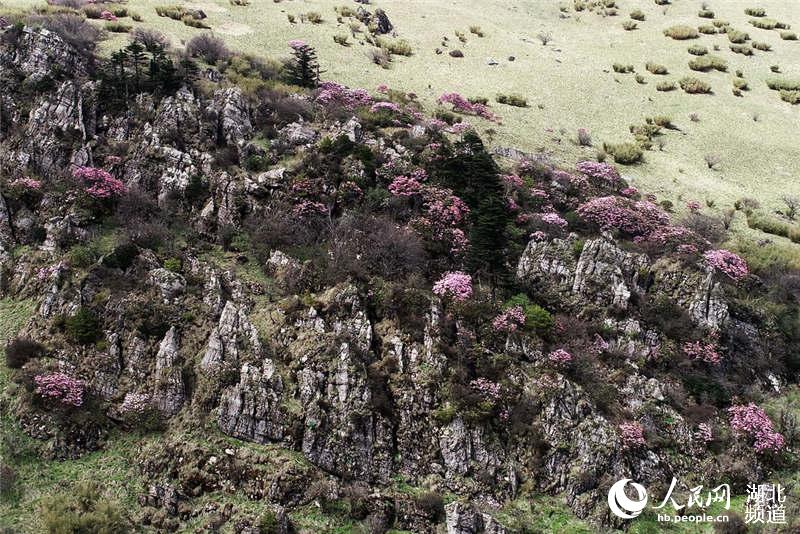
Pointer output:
x,y
681,32
741,84
655,68
314,17
764,47
622,69
118,27
638,14
705,14
742,49
707,63
395,47
666,86
13,316
629,25
694,85
792,97
737,36
783,84
756,12
698,50
707,29
624,153
789,36
476,30
512,100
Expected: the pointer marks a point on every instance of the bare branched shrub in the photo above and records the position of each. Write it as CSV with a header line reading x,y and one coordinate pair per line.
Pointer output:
x,y
544,37
211,49
792,204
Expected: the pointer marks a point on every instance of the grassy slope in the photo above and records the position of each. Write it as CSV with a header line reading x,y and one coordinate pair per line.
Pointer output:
x,y
571,78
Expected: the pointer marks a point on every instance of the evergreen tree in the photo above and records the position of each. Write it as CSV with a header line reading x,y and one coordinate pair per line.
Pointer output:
x,y
303,70
474,176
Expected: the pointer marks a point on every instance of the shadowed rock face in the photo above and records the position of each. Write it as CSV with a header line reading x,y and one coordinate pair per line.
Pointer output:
x,y
351,395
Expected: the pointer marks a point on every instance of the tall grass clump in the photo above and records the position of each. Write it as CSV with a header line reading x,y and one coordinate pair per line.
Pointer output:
x,y
681,32
624,153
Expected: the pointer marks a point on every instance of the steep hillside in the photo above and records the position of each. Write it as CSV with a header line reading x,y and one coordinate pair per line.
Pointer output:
x,y
240,300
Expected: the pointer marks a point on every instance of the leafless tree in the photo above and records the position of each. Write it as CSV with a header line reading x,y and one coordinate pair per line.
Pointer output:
x,y
792,204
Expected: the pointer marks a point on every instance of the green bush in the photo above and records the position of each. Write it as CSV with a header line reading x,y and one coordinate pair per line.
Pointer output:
x,y
707,29
655,68
536,318
698,50
666,86
681,32
741,84
341,39
81,256
637,14
624,153
789,36
764,47
195,23
512,100
694,86
172,12
622,69
755,11
705,14
82,510
707,63
629,25
83,326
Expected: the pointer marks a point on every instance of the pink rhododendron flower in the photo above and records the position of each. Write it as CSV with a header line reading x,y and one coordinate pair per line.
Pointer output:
x,y
729,263
487,388
693,206
560,357
385,106
632,435
600,171
336,95
456,285
383,88
632,217
553,218
463,105
108,15
59,387
513,180
307,208
510,320
704,433
703,350
99,183
297,44
27,183
752,422
405,186
629,192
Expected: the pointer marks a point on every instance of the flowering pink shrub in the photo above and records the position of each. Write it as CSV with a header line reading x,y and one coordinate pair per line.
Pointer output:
x,y
27,183
629,192
460,128
629,216
752,422
670,235
443,207
600,171
539,236
703,350
390,107
307,208
108,15
553,218
99,183
513,180
632,435
405,186
729,263
693,206
487,388
510,320
456,285
297,44
59,387
383,88
46,273
463,105
560,357
334,94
